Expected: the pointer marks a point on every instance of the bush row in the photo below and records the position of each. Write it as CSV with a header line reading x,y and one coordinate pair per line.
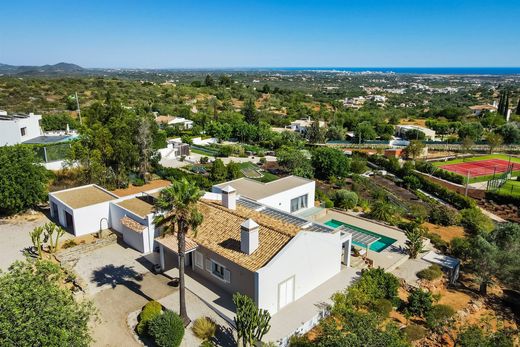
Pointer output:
x,y
502,198
451,197
443,174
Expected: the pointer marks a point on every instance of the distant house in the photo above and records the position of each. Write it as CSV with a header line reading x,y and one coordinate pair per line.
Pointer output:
x,y
479,109
401,130
356,102
18,128
301,125
180,122
290,194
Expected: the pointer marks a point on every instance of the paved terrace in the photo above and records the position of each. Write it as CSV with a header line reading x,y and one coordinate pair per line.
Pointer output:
x,y
308,309
389,258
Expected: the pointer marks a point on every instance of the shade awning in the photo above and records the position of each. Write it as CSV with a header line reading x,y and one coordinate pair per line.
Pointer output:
x,y
359,237
171,243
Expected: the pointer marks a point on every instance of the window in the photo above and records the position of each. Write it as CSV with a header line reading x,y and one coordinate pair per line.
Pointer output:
x,y
299,203
218,270
199,260
23,131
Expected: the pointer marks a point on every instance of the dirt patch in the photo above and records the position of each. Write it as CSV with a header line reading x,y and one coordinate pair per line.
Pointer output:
x,y
446,233
419,122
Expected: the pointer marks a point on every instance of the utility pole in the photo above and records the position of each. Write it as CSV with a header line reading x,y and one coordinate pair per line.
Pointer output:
x,y
79,110
467,184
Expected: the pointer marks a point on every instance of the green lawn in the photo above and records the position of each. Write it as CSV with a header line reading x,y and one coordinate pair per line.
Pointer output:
x,y
470,159
484,157
511,187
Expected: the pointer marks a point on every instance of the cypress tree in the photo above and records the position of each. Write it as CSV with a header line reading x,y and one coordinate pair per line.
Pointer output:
x,y
500,103
518,107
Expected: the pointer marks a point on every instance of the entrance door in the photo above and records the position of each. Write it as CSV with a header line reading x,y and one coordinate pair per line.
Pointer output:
x,y
70,221
286,292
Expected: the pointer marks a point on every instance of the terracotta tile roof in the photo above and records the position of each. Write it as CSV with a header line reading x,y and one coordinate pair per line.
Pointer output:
x,y
220,233
132,224
170,242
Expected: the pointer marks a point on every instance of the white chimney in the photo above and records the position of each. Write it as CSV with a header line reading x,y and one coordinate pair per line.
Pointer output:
x,y
229,197
249,236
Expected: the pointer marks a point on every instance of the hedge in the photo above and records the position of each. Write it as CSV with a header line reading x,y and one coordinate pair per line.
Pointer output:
x,y
428,168
503,198
151,310
451,197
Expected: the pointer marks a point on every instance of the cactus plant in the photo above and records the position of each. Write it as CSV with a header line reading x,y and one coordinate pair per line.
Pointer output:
x,y
251,323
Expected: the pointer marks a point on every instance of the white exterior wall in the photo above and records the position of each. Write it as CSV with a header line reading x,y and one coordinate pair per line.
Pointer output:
x,y
89,219
9,133
282,200
143,242
312,258
10,130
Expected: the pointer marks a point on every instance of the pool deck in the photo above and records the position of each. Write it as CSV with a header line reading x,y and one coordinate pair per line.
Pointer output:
x,y
389,258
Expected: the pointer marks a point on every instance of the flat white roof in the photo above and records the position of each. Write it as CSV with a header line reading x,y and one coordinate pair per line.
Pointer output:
x,y
84,196
257,190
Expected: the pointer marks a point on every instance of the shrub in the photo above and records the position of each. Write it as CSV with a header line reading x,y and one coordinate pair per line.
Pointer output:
x,y
204,328
437,241
204,160
412,182
460,247
443,215
419,302
414,332
69,244
345,199
430,273
438,316
475,222
151,310
167,329
382,307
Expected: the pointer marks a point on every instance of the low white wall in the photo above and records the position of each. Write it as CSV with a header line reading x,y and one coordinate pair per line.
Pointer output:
x,y
312,258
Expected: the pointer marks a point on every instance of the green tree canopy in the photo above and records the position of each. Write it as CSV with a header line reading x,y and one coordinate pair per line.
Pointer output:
x,y
37,310
23,180
330,162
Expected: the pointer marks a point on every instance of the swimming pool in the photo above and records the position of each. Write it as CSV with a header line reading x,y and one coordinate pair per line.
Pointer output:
x,y
377,246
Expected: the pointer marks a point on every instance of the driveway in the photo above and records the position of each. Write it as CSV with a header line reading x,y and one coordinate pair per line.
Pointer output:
x,y
14,236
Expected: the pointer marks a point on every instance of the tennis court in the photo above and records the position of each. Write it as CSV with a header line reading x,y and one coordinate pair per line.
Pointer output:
x,y
481,167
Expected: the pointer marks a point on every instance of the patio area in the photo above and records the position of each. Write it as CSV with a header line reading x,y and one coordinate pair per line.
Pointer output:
x,y
388,258
299,316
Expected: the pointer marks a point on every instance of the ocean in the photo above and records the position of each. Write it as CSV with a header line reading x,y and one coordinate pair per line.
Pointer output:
x,y
412,70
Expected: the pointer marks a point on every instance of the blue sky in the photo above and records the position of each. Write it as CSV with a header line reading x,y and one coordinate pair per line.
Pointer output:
x,y
187,34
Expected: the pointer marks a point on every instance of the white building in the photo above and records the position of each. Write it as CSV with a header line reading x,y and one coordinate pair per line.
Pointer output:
x,y
90,209
401,130
301,125
247,247
18,128
290,194
180,122
356,102
479,109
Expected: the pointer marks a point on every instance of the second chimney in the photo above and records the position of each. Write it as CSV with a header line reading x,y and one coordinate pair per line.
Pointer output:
x,y
229,197
249,236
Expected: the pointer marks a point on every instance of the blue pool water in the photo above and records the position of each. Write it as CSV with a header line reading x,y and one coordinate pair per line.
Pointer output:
x,y
377,246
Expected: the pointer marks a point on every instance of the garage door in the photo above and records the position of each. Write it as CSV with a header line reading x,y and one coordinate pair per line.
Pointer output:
x,y
285,292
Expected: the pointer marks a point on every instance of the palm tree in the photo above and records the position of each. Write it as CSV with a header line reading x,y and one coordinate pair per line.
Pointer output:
x,y
178,204
383,210
415,239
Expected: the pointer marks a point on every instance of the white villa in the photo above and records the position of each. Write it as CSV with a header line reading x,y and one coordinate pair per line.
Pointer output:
x,y
301,125
266,240
180,122
18,128
400,130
